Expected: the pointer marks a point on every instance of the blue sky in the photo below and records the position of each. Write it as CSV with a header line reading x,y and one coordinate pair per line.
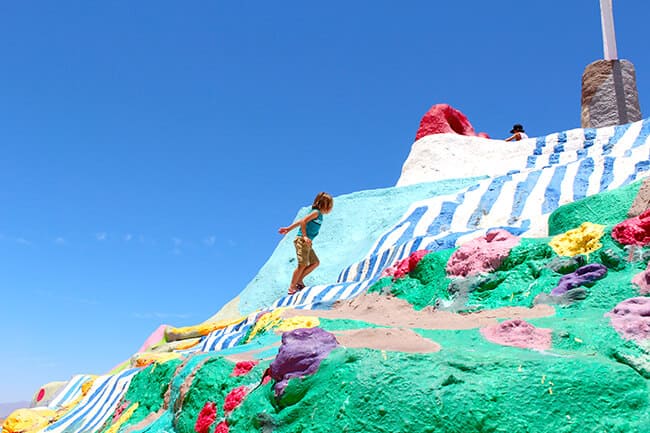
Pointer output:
x,y
150,150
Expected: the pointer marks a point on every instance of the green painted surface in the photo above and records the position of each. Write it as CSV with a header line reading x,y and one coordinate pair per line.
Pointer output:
x,y
455,390
424,286
591,380
606,208
148,389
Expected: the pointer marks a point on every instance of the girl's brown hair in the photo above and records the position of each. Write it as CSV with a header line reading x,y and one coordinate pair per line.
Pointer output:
x,y
323,201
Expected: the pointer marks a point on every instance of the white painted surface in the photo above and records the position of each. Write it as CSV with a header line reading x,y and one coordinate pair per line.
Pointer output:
x,y
453,156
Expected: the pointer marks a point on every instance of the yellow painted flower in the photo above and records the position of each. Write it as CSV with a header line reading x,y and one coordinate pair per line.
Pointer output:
x,y
582,240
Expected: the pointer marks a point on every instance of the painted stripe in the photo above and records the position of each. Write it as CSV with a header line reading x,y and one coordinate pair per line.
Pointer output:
x,y
643,135
488,199
581,182
608,173
70,392
521,193
540,142
553,190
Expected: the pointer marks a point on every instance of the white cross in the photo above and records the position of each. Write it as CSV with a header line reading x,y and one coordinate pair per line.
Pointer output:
x,y
609,37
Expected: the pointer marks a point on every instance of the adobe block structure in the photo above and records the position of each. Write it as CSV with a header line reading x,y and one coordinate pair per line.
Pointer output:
x,y
609,94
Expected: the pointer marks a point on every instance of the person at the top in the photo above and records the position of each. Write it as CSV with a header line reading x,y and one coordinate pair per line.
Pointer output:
x,y
517,132
309,228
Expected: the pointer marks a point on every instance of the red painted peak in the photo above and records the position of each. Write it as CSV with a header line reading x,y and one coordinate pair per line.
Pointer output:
x,y
442,119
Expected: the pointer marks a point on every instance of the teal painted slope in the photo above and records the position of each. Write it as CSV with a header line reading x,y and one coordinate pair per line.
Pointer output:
x,y
354,225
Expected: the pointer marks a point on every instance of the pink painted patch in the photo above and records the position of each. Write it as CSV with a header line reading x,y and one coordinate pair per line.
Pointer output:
x,y
222,427
117,413
483,254
631,318
243,367
206,418
518,333
633,231
234,398
403,267
154,338
41,394
443,118
642,279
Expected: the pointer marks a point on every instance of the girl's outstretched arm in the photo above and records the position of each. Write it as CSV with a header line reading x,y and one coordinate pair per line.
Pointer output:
x,y
301,222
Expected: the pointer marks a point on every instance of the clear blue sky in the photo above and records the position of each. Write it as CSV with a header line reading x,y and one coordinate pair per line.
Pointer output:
x,y
149,150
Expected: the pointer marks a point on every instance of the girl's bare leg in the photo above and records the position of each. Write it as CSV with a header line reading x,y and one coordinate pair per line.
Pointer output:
x,y
307,270
296,277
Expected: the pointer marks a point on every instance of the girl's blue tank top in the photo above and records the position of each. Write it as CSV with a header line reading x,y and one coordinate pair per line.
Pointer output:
x,y
313,226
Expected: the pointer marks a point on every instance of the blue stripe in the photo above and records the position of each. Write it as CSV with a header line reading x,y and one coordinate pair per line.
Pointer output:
x,y
101,414
540,142
221,343
619,131
393,255
488,199
78,411
319,298
382,261
530,161
554,158
72,389
81,411
517,231
608,173
643,134
413,219
344,274
581,182
590,136
371,263
449,241
553,191
416,244
237,338
561,139
97,417
638,167
447,211
521,193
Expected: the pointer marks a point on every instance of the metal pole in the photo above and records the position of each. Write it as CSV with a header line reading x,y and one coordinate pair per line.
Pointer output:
x,y
609,37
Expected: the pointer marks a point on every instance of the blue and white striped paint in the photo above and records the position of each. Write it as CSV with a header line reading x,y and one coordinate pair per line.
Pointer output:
x,y
553,170
100,403
561,167
70,392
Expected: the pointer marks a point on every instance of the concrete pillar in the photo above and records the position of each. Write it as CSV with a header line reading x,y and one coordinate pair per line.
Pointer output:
x,y
609,94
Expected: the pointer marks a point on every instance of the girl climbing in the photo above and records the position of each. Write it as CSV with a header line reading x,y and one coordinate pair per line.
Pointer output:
x,y
309,228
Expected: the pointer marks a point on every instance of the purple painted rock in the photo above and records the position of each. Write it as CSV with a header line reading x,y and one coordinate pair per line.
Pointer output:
x,y
300,354
585,274
631,318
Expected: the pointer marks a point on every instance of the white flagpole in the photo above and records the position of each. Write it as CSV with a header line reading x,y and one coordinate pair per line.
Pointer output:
x,y
609,37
